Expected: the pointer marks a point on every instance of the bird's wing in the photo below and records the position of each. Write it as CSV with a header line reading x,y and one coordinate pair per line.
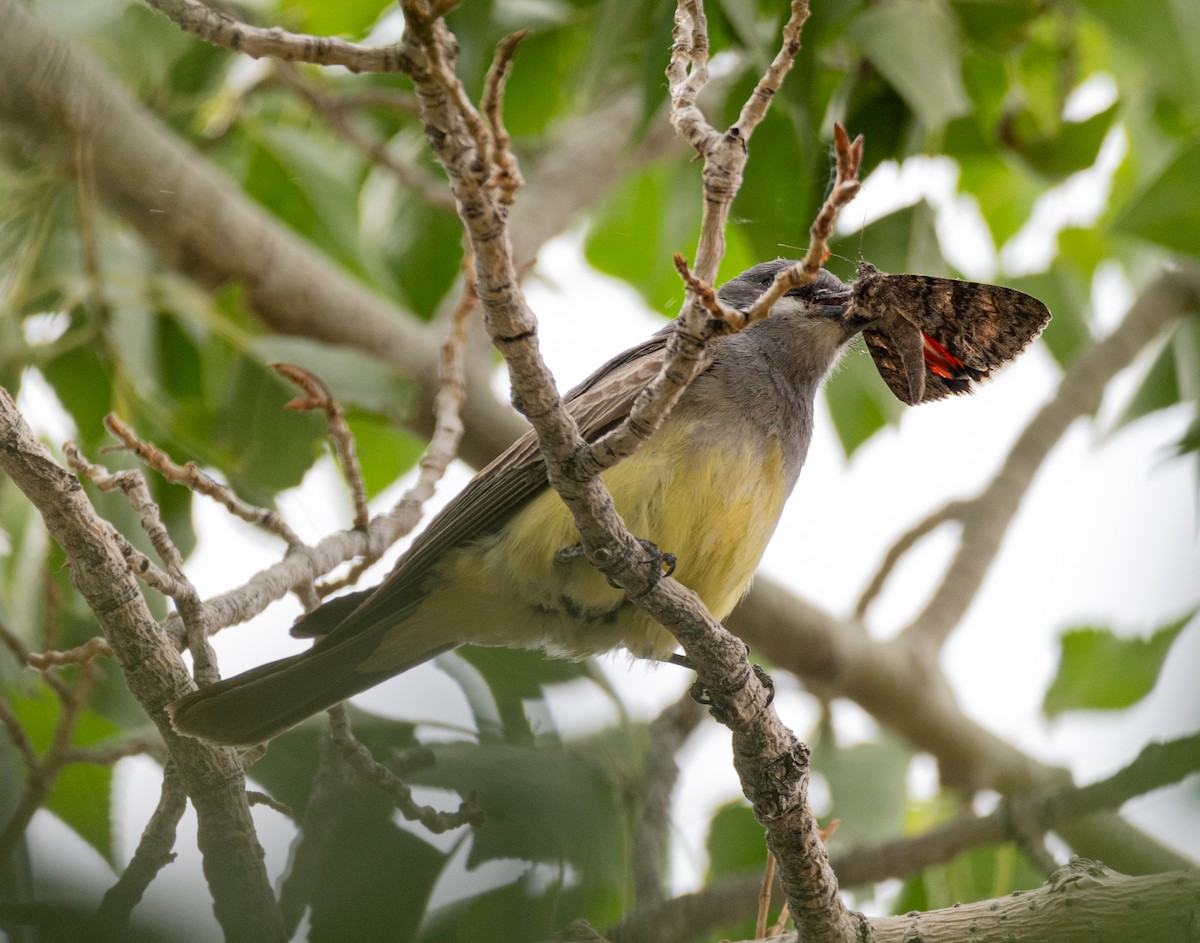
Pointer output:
x,y
494,495
497,492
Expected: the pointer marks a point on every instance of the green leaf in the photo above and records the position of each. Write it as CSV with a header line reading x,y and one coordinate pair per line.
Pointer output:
x,y
903,241
859,401
1167,210
181,368
1005,197
736,846
373,883
1073,148
521,673
29,549
81,792
651,216
868,787
860,404
290,764
355,378
915,46
542,804
541,84
996,24
1067,293
736,841
534,906
1162,37
773,218
83,381
350,18
266,447
307,181
1099,671
424,254
1159,388
16,871
978,875
385,452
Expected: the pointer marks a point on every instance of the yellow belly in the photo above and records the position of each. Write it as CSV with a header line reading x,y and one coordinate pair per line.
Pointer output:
x,y
713,506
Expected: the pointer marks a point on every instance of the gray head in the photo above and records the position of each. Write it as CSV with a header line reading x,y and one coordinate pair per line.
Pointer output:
x,y
824,297
767,376
807,331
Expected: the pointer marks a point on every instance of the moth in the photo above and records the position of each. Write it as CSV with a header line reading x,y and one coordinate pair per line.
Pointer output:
x,y
932,337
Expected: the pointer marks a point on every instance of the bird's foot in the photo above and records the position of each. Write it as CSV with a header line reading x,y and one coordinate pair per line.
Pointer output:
x,y
567,554
664,562
700,692
765,680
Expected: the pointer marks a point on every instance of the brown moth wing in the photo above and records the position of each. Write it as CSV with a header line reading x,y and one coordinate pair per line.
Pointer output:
x,y
889,362
895,346
984,326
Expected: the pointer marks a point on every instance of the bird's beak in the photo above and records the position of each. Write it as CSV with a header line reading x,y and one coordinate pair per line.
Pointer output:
x,y
836,305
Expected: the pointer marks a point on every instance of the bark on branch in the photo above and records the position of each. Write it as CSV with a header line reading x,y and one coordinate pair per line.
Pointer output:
x,y
156,675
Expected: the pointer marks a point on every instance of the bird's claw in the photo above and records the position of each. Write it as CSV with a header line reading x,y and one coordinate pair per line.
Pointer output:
x,y
700,694
567,554
664,563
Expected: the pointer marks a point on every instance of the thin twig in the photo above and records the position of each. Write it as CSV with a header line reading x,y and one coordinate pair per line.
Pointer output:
x,y
154,852
951,511
242,898
667,734
172,580
739,699
764,898
44,770
95,647
52,616
320,397
14,644
507,175
780,924
845,188
1018,817
220,29
725,156
114,753
16,733
261,798
755,108
443,444
360,759
386,99
190,476
334,111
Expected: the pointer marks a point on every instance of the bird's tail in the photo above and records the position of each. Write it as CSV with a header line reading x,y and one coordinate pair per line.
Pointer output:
x,y
265,701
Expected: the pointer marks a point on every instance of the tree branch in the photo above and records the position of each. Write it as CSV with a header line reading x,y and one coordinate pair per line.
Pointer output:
x,y
771,763
154,852
668,732
1165,912
220,29
1047,809
233,863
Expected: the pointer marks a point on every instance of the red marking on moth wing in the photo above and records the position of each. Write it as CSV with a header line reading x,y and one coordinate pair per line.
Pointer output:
x,y
940,360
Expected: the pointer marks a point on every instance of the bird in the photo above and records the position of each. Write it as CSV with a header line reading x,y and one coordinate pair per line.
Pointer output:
x,y
500,564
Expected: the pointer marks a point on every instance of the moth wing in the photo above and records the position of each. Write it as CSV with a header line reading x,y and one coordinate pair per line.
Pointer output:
x,y
981,326
984,326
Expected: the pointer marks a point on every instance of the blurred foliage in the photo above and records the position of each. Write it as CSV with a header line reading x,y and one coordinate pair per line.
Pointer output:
x,y
1099,670
1019,96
